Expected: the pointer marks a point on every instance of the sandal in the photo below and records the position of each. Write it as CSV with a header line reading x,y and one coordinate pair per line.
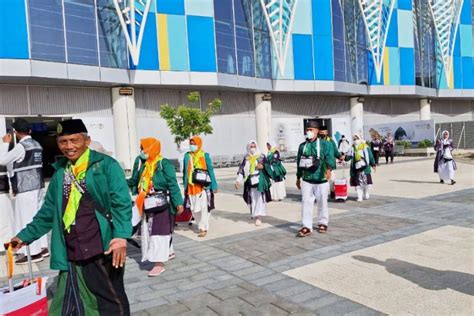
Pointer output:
x,y
322,228
303,232
202,233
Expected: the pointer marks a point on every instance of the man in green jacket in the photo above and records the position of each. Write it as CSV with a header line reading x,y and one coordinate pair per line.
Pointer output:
x,y
315,161
324,134
88,208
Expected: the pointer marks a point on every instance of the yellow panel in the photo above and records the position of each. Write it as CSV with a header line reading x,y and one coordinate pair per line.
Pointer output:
x,y
386,67
163,45
451,75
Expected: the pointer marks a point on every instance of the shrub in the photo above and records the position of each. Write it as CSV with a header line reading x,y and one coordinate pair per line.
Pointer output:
x,y
425,143
404,143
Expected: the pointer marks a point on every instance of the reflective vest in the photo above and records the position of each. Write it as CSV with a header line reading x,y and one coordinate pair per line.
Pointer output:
x,y
4,184
28,174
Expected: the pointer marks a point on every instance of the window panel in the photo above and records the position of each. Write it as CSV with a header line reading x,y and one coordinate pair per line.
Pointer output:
x,y
263,53
244,38
112,45
81,33
46,30
225,38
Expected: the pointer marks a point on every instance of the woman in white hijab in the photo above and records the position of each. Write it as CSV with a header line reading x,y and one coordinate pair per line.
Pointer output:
x,y
361,167
444,163
253,174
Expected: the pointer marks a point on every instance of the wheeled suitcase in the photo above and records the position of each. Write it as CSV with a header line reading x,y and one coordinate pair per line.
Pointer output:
x,y
341,187
24,298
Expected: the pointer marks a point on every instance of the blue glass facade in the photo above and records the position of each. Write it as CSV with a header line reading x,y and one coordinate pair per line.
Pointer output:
x,y
328,41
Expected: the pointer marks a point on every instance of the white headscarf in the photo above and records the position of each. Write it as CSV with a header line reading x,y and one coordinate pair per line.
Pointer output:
x,y
257,152
445,140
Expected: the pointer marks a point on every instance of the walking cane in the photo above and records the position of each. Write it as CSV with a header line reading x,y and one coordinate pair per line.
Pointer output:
x,y
9,261
30,266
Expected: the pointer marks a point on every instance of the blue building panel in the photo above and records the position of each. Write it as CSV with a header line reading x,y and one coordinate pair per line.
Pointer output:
x,y
466,13
202,53
392,36
468,72
322,40
13,31
407,66
170,6
405,4
303,57
458,71
149,49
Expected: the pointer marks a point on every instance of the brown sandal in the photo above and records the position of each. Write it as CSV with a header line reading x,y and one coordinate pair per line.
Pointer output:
x,y
202,233
322,228
303,232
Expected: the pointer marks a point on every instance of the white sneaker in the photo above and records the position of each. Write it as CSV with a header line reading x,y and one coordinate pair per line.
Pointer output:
x,y
359,199
258,222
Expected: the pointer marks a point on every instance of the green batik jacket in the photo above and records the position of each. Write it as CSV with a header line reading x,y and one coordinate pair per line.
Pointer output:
x,y
105,181
326,157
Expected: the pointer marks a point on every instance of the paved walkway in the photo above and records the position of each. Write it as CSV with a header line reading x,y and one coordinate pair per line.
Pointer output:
x,y
408,250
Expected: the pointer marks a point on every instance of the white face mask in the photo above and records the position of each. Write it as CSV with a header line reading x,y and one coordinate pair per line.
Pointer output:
x,y
253,150
310,135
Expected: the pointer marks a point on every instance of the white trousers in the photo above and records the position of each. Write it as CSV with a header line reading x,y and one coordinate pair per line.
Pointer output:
x,y
27,205
278,190
259,206
311,192
200,210
446,171
6,218
363,192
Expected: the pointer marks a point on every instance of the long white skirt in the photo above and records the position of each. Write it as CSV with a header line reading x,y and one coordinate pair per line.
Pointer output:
x,y
446,171
27,205
259,206
154,248
6,218
278,190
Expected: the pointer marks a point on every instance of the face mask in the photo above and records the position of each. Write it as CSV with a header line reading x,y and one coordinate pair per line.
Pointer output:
x,y
309,135
193,148
143,155
321,136
253,150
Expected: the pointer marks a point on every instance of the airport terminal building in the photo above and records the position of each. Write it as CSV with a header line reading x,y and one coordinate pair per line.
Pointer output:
x,y
271,62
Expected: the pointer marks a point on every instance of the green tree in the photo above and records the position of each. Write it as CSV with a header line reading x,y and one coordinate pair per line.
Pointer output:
x,y
185,121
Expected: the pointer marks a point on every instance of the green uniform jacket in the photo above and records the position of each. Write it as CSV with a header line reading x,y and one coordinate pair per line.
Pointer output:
x,y
327,161
336,152
210,169
276,166
105,180
136,168
368,168
164,179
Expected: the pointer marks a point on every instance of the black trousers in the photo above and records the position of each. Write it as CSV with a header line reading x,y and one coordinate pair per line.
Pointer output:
x,y
387,155
376,154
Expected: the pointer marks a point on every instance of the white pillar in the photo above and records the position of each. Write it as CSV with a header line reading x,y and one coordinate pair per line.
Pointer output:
x,y
357,116
125,129
425,109
263,119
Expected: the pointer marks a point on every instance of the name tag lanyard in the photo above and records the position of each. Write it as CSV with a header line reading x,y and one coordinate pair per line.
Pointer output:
x,y
318,149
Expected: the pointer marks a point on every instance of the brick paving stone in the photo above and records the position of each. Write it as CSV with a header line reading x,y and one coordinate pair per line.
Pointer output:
x,y
309,295
201,300
200,311
169,309
339,308
229,292
268,279
233,306
318,303
149,304
259,297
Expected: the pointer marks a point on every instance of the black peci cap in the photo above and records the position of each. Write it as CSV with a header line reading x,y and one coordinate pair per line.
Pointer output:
x,y
21,125
312,124
323,128
70,127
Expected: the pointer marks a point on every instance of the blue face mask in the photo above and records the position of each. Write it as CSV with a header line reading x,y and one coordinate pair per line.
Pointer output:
x,y
143,155
193,148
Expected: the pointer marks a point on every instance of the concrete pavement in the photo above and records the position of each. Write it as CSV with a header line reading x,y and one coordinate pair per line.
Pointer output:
x,y
408,250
